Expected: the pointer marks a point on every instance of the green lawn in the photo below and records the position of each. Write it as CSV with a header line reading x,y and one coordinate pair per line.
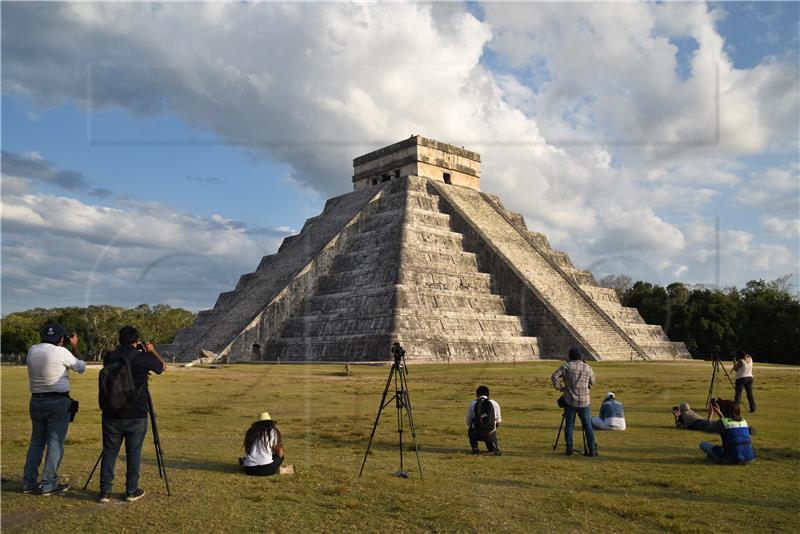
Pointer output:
x,y
650,478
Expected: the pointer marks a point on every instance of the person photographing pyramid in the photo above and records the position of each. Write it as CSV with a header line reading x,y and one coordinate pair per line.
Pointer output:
x,y
483,418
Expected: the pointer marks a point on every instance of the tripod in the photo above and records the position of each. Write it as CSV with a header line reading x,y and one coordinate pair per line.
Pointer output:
x,y
716,365
162,469
583,433
398,372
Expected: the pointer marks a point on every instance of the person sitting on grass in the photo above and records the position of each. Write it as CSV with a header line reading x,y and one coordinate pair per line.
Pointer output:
x,y
483,418
736,445
263,446
612,415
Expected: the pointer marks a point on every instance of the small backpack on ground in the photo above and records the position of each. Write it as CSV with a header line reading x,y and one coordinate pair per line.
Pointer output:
x,y
484,416
117,388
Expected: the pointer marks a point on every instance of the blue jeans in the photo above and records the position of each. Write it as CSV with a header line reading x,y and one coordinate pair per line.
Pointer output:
x,y
114,431
585,414
714,452
50,420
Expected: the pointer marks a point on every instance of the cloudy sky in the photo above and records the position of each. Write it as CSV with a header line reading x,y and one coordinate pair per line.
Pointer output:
x,y
152,153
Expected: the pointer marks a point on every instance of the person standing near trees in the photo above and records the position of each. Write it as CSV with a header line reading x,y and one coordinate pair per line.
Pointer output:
x,y
744,378
49,363
128,423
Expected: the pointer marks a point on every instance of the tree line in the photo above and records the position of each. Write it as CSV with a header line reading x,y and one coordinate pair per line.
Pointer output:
x,y
762,318
97,326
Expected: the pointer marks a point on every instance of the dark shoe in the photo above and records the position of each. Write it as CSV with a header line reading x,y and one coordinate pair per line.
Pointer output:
x,y
61,488
476,451
103,497
36,490
497,450
752,410
135,496
568,451
593,452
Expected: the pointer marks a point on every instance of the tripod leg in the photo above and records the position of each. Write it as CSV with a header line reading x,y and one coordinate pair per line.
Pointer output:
x,y
162,469
93,470
399,396
559,431
377,418
407,400
711,386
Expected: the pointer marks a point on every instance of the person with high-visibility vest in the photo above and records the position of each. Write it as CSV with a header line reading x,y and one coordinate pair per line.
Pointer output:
x,y
737,447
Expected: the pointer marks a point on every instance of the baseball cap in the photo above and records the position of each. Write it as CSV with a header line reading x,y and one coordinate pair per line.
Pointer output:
x,y
52,332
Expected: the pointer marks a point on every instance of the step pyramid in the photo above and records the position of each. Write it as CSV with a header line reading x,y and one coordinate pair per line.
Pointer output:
x,y
417,254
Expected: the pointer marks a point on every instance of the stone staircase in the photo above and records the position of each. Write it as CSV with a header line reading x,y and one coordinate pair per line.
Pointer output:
x,y
404,277
561,295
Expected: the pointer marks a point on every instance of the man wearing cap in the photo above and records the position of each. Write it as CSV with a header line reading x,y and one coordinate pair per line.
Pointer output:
x,y
49,364
130,423
612,415
574,378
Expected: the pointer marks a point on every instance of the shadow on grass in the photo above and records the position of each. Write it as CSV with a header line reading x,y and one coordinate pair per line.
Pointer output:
x,y
197,464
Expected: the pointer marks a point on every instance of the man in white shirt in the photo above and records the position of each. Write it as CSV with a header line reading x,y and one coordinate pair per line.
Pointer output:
x,y
744,378
49,364
483,418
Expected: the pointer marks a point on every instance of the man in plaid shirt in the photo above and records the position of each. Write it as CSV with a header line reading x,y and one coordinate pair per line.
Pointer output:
x,y
574,378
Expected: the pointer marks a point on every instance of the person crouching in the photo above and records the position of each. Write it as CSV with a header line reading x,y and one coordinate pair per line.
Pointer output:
x,y
612,415
263,447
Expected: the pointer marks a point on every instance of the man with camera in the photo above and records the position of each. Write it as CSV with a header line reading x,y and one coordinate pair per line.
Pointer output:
x,y
574,378
130,421
51,407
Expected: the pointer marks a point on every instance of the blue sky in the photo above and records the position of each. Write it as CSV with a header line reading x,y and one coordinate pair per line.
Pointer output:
x,y
213,133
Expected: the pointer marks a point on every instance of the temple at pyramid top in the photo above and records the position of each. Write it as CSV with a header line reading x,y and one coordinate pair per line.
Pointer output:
x,y
417,254
418,156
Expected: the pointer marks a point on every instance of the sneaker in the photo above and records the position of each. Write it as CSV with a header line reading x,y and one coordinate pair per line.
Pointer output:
x,y
36,490
103,497
497,450
476,451
135,496
61,488
568,452
593,452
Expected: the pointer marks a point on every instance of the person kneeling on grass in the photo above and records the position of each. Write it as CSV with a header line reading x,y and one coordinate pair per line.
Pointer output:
x,y
263,446
483,418
736,445
612,415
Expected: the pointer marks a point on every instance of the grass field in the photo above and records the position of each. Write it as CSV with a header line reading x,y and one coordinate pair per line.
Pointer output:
x,y
650,478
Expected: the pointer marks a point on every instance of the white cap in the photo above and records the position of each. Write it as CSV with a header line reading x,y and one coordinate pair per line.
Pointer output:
x,y
610,395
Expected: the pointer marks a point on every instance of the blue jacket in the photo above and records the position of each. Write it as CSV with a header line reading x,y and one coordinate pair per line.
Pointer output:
x,y
736,441
611,408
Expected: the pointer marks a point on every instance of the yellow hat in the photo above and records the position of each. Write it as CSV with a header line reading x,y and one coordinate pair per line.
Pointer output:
x,y
264,417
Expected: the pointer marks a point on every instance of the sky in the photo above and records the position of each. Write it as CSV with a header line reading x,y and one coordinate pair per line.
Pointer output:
x,y
154,152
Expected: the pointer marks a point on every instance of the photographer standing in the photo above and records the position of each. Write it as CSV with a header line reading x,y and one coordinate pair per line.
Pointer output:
x,y
49,364
129,422
574,378
744,378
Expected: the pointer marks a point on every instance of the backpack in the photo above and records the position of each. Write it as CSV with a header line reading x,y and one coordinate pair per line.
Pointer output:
x,y
483,419
117,389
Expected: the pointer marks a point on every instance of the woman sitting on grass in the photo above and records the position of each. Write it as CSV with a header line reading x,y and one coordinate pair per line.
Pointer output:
x,y
263,446
736,446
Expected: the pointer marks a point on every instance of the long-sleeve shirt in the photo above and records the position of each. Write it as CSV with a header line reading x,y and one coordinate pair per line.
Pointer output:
x,y
577,378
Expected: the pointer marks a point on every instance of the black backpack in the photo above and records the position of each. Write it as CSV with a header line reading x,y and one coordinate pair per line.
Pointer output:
x,y
483,419
117,388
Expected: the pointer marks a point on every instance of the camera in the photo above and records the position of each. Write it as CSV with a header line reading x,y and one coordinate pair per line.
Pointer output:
x,y
141,346
66,337
398,351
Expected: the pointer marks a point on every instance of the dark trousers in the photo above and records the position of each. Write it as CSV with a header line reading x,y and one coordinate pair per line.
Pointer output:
x,y
489,439
49,421
133,432
263,470
745,383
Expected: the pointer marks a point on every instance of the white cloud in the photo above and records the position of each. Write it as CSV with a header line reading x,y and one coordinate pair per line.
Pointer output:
x,y
782,227
59,251
585,123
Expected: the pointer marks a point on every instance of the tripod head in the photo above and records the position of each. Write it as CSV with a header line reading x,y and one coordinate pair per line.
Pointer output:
x,y
399,357
716,354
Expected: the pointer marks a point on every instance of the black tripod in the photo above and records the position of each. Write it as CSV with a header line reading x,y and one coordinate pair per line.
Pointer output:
x,y
583,433
716,366
402,402
162,469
